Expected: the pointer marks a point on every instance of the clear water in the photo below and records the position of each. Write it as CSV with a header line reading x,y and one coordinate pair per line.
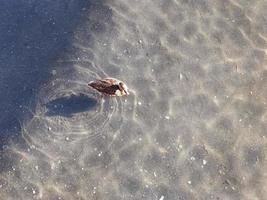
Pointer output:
x,y
194,126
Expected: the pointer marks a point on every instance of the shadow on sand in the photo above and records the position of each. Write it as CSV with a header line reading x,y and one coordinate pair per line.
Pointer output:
x,y
67,106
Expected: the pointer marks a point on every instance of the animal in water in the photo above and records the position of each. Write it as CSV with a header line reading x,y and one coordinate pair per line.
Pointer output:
x,y
110,87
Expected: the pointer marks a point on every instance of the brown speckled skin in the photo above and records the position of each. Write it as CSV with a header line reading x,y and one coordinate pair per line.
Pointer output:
x,y
107,86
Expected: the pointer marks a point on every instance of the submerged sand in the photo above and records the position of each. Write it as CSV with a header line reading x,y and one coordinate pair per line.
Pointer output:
x,y
194,126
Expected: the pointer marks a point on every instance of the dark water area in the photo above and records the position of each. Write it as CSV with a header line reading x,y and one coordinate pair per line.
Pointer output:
x,y
194,126
33,35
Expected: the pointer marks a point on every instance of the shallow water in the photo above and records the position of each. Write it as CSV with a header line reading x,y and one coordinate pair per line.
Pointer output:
x,y
194,126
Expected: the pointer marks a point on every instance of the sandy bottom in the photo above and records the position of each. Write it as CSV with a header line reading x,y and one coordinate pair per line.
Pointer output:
x,y
194,126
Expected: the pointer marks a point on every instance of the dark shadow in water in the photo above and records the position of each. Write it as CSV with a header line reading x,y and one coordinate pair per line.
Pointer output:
x,y
67,106
33,35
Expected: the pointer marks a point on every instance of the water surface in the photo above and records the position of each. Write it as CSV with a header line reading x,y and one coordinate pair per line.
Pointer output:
x,y
194,126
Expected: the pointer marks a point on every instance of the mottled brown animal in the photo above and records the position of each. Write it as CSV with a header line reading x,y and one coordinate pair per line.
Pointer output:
x,y
110,87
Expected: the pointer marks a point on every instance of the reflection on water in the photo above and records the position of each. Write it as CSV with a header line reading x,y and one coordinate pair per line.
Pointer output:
x,y
194,126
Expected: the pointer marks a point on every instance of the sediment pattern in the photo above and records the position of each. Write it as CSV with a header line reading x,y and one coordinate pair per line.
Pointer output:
x,y
194,126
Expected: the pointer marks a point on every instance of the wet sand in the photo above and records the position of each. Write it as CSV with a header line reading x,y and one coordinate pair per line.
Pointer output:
x,y
194,126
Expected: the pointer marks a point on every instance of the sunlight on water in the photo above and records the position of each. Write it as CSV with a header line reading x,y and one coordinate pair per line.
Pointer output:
x,y
193,127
